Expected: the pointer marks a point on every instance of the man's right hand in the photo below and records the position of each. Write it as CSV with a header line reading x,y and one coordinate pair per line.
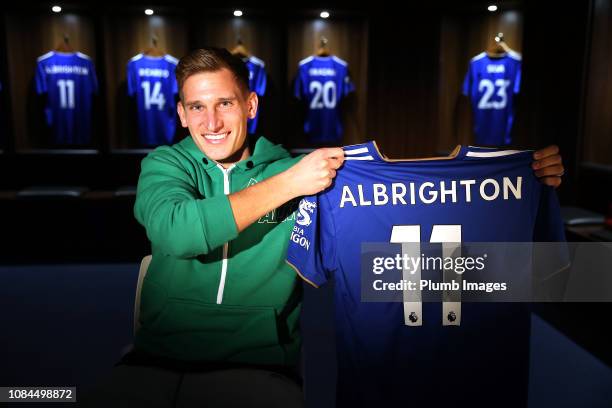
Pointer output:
x,y
312,174
316,171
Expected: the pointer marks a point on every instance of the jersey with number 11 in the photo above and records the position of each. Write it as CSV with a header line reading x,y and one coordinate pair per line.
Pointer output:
x,y
152,80
388,354
69,81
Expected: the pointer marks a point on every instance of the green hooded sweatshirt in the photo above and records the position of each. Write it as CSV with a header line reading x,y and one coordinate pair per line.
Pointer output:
x,y
211,294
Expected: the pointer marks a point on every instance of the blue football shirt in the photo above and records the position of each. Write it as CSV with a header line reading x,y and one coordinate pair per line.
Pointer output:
x,y
257,84
69,81
491,84
382,359
323,82
152,80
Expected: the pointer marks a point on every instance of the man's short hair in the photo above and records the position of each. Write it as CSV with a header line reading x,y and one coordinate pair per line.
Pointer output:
x,y
212,59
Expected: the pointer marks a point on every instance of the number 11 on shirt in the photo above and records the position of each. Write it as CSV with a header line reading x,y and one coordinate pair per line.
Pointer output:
x,y
410,238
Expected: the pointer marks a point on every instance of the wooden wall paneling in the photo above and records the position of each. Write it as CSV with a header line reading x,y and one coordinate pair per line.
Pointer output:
x,y
259,36
483,28
403,83
263,38
555,53
6,142
348,39
597,145
28,37
454,128
551,100
125,37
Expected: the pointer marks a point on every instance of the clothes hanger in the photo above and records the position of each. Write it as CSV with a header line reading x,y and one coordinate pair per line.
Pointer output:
x,y
498,47
240,50
323,50
153,51
64,46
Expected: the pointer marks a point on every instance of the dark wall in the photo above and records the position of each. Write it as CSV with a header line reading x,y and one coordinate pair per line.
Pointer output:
x,y
407,69
557,106
402,85
554,55
594,156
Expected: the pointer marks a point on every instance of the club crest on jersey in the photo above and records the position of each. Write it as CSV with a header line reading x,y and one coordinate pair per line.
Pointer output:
x,y
306,208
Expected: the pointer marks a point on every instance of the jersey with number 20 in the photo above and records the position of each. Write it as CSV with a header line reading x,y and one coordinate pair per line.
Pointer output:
x,y
474,195
323,82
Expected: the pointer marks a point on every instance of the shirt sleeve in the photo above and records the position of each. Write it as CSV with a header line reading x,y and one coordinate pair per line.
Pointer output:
x,y
260,87
131,83
347,84
93,78
174,83
41,80
175,89
517,80
312,249
549,224
551,253
298,85
177,219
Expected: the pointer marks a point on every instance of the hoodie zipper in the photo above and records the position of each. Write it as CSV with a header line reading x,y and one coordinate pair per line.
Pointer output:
x,y
226,191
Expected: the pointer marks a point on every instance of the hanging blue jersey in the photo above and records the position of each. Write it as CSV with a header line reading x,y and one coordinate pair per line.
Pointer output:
x,y
491,84
152,80
384,356
257,84
323,82
69,81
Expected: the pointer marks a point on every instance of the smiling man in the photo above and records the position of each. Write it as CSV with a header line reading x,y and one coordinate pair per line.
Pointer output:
x,y
217,288
218,294
219,305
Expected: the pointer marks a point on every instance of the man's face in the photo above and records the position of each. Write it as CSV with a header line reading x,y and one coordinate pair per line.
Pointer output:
x,y
215,110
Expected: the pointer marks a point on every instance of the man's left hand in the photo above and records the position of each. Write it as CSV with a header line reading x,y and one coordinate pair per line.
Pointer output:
x,y
547,165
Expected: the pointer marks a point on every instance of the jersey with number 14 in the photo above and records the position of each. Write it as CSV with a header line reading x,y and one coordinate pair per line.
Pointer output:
x,y
491,84
69,81
257,84
152,80
475,195
323,82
